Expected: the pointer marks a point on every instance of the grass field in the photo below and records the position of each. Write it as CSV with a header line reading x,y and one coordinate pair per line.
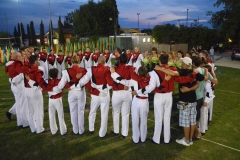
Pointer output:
x,y
18,143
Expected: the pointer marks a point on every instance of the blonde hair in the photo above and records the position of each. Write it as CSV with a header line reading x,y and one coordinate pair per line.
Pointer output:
x,y
172,54
75,59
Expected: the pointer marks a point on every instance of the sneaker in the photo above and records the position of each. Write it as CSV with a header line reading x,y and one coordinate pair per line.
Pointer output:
x,y
183,142
191,142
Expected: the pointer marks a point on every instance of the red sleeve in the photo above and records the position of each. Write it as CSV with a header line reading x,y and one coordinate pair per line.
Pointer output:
x,y
133,74
109,79
41,82
184,79
21,69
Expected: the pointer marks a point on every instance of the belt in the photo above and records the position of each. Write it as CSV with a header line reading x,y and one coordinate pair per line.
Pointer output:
x,y
139,97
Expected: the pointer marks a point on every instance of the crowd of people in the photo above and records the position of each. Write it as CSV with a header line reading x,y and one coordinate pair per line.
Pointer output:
x,y
131,77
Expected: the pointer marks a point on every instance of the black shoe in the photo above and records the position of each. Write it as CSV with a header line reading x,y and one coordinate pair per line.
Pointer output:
x,y
45,130
82,134
25,127
8,114
91,132
123,137
112,132
134,142
153,141
20,127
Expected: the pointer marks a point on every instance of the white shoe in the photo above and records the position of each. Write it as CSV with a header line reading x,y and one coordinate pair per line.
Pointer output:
x,y
182,141
191,143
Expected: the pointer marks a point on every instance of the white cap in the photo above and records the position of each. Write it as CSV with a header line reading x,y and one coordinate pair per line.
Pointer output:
x,y
187,61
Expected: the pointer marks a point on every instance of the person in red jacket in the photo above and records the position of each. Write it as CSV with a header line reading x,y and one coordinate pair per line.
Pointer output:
x,y
81,58
121,97
76,96
88,58
60,63
95,57
68,59
35,85
129,55
16,71
97,80
43,62
55,104
51,60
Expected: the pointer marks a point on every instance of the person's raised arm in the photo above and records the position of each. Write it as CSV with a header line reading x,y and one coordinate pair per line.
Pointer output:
x,y
167,71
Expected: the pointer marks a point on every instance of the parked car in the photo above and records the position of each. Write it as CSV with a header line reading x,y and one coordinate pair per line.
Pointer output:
x,y
235,54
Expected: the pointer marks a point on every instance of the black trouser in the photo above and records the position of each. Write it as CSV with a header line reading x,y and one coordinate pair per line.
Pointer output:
x,y
198,108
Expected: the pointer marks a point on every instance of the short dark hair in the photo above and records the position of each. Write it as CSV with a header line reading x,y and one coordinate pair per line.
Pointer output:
x,y
53,73
190,54
119,50
123,58
36,49
181,52
142,71
154,49
204,52
197,61
33,59
164,58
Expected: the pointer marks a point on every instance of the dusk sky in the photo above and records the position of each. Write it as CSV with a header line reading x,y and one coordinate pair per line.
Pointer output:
x,y
152,12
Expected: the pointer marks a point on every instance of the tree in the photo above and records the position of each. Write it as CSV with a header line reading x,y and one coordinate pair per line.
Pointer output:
x,y
50,34
95,19
16,35
29,35
41,33
33,34
227,21
61,38
68,21
23,32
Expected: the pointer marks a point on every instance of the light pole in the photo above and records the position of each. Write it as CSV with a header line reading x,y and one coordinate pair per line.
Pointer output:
x,y
187,18
21,42
7,30
50,30
138,21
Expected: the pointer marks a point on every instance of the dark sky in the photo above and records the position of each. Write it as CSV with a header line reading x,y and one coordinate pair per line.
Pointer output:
x,y
152,12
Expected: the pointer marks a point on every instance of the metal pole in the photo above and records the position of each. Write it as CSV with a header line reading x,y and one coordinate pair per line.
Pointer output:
x,y
115,27
187,18
138,21
20,26
7,30
50,29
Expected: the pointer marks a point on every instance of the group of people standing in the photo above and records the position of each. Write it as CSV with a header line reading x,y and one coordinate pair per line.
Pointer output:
x,y
33,72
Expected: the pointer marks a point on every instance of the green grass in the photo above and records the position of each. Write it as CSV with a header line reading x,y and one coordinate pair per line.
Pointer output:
x,y
18,143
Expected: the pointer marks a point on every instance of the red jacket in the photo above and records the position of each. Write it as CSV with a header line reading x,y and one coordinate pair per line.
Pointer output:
x,y
69,60
80,56
16,68
101,75
51,59
95,57
43,56
124,72
60,59
72,72
87,55
54,82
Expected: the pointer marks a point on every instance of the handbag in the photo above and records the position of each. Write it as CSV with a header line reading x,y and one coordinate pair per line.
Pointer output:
x,y
182,105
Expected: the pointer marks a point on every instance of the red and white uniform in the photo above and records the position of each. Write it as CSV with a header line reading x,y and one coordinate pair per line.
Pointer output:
x,y
55,104
35,99
95,58
129,56
121,100
137,58
98,76
44,64
51,61
16,73
88,59
76,97
68,60
81,58
109,56
60,64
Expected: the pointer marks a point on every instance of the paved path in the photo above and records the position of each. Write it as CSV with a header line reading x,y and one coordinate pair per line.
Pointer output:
x,y
226,61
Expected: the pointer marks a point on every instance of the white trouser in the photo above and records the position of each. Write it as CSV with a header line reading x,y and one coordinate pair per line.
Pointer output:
x,y
12,110
53,106
45,68
21,107
103,102
203,122
35,109
60,68
162,114
210,109
121,102
140,108
77,101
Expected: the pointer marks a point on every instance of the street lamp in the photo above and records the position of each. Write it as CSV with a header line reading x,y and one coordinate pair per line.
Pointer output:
x,y
20,26
138,21
187,18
